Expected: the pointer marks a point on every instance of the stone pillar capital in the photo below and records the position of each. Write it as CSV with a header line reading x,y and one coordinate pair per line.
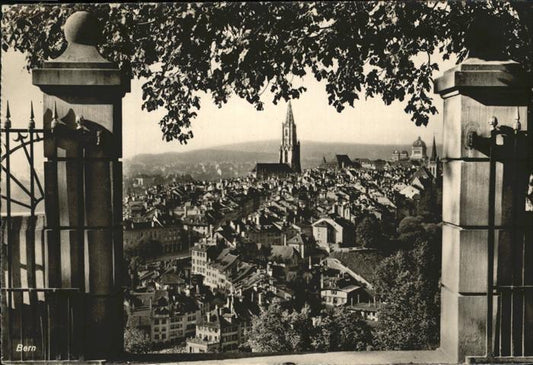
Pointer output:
x,y
81,82
81,64
475,74
475,92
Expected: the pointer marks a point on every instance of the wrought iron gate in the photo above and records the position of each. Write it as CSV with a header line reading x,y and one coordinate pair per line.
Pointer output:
x,y
509,321
37,321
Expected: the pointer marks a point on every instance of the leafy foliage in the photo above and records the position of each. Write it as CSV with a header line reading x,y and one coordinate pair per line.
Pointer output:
x,y
136,341
362,262
411,231
429,204
274,330
342,330
368,232
408,285
282,330
185,50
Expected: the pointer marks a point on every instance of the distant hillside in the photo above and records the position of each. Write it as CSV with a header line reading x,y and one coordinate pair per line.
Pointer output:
x,y
203,155
249,153
268,150
313,150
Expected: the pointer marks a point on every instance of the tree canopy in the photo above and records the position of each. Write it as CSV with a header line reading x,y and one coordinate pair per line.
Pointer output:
x,y
358,49
407,283
136,341
368,232
283,330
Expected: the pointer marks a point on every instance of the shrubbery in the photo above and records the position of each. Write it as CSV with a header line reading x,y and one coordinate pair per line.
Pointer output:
x,y
284,330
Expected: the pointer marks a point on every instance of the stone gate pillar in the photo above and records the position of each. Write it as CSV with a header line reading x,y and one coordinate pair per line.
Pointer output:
x,y
482,87
83,184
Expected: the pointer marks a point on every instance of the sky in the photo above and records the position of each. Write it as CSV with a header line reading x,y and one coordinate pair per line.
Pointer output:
x,y
370,121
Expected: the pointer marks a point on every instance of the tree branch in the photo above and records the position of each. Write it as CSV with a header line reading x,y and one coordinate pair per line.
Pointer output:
x,y
261,93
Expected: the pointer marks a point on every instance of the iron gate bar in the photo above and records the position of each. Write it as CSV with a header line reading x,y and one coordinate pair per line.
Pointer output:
x,y
513,297
33,137
7,171
15,298
68,328
490,243
514,166
80,230
69,310
21,130
31,159
7,126
511,303
16,202
19,146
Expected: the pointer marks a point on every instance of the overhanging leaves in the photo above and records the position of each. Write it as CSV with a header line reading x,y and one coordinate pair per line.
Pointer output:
x,y
222,49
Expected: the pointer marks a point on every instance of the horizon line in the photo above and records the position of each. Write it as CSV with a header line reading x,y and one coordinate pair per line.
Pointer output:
x,y
215,147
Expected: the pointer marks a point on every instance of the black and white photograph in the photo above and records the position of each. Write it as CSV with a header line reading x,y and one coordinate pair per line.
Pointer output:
x,y
267,182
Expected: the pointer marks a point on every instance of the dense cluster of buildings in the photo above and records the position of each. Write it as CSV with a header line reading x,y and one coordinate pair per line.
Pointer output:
x,y
227,249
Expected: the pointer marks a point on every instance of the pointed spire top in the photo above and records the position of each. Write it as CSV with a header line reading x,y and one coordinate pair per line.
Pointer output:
x,y
31,125
7,123
290,116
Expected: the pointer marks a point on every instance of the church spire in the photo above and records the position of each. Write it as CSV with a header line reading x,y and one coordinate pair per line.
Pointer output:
x,y
290,118
290,146
434,150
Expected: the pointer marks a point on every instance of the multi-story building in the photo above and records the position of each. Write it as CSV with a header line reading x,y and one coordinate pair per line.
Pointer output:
x,y
217,271
399,156
222,330
199,259
171,237
226,272
198,224
344,295
331,233
173,317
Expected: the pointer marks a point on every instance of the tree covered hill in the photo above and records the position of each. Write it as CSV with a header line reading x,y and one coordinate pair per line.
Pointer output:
x,y
266,151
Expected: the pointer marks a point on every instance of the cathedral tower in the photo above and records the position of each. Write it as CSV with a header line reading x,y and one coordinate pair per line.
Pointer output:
x,y
289,151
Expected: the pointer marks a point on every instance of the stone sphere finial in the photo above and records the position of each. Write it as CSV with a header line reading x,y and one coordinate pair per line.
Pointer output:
x,y
82,28
485,37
